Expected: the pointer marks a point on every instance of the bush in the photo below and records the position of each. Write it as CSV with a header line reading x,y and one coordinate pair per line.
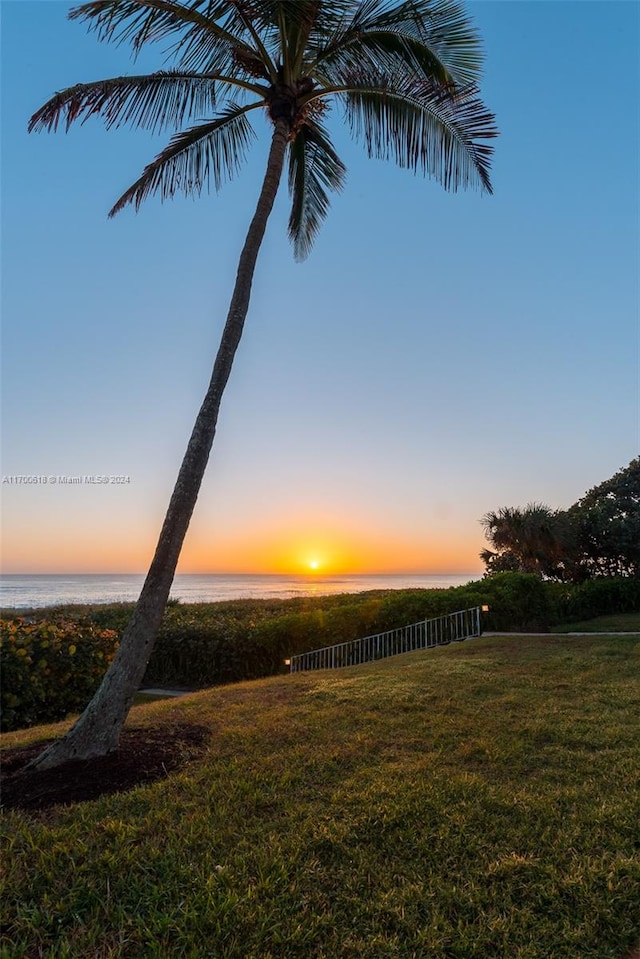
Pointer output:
x,y
522,601
600,597
517,602
203,647
49,669
197,650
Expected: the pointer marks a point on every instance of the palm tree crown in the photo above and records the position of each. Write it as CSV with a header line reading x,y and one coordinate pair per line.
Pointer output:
x,y
405,75
533,539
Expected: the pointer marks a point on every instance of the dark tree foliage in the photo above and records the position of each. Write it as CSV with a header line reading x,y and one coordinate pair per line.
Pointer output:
x,y
597,536
533,539
607,522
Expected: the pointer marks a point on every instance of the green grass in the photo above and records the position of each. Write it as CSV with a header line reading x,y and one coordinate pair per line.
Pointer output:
x,y
478,801
616,623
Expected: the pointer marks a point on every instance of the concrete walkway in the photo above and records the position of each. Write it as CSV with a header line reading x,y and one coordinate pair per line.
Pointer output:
x,y
603,632
166,692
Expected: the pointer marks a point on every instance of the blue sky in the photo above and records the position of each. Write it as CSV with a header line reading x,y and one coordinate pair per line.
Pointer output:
x,y
437,356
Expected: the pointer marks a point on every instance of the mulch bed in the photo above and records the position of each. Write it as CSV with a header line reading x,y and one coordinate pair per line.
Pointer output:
x,y
144,755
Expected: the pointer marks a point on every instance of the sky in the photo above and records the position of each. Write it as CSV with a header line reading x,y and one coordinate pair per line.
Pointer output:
x,y
437,356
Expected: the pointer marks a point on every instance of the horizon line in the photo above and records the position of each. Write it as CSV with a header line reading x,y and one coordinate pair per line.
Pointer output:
x,y
305,575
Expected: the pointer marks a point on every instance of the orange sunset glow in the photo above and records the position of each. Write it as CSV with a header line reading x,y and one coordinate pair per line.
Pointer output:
x,y
335,545
331,547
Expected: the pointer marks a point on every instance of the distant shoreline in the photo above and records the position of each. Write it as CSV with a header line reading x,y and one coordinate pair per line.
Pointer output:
x,y
40,590
306,576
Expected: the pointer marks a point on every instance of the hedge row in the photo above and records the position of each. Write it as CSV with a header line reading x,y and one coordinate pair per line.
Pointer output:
x,y
600,597
200,649
198,646
50,669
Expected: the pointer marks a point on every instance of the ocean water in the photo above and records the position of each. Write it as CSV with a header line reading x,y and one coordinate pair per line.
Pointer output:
x,y
24,592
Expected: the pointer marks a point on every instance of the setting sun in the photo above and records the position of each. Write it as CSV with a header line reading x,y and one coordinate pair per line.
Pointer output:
x,y
314,564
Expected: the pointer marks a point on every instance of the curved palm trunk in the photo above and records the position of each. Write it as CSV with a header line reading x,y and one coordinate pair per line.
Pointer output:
x,y
97,731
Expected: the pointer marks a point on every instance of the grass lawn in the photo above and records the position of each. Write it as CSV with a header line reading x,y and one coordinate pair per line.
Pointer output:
x,y
478,801
617,623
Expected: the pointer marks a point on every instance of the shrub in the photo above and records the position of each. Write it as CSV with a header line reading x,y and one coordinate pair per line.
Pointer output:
x,y
198,650
49,669
204,647
600,597
517,601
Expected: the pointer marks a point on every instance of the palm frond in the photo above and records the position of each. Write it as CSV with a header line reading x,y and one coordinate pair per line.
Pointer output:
x,y
245,14
433,37
234,54
285,26
207,32
298,14
216,149
296,19
384,52
152,102
359,37
442,25
314,168
424,128
148,21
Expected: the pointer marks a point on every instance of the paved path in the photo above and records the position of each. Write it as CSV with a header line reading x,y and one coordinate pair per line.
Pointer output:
x,y
603,632
166,692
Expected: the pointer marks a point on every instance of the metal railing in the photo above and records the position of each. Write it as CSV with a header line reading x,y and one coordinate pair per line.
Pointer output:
x,y
452,628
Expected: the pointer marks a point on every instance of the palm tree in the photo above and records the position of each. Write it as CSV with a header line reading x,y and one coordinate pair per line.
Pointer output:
x,y
404,73
534,539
